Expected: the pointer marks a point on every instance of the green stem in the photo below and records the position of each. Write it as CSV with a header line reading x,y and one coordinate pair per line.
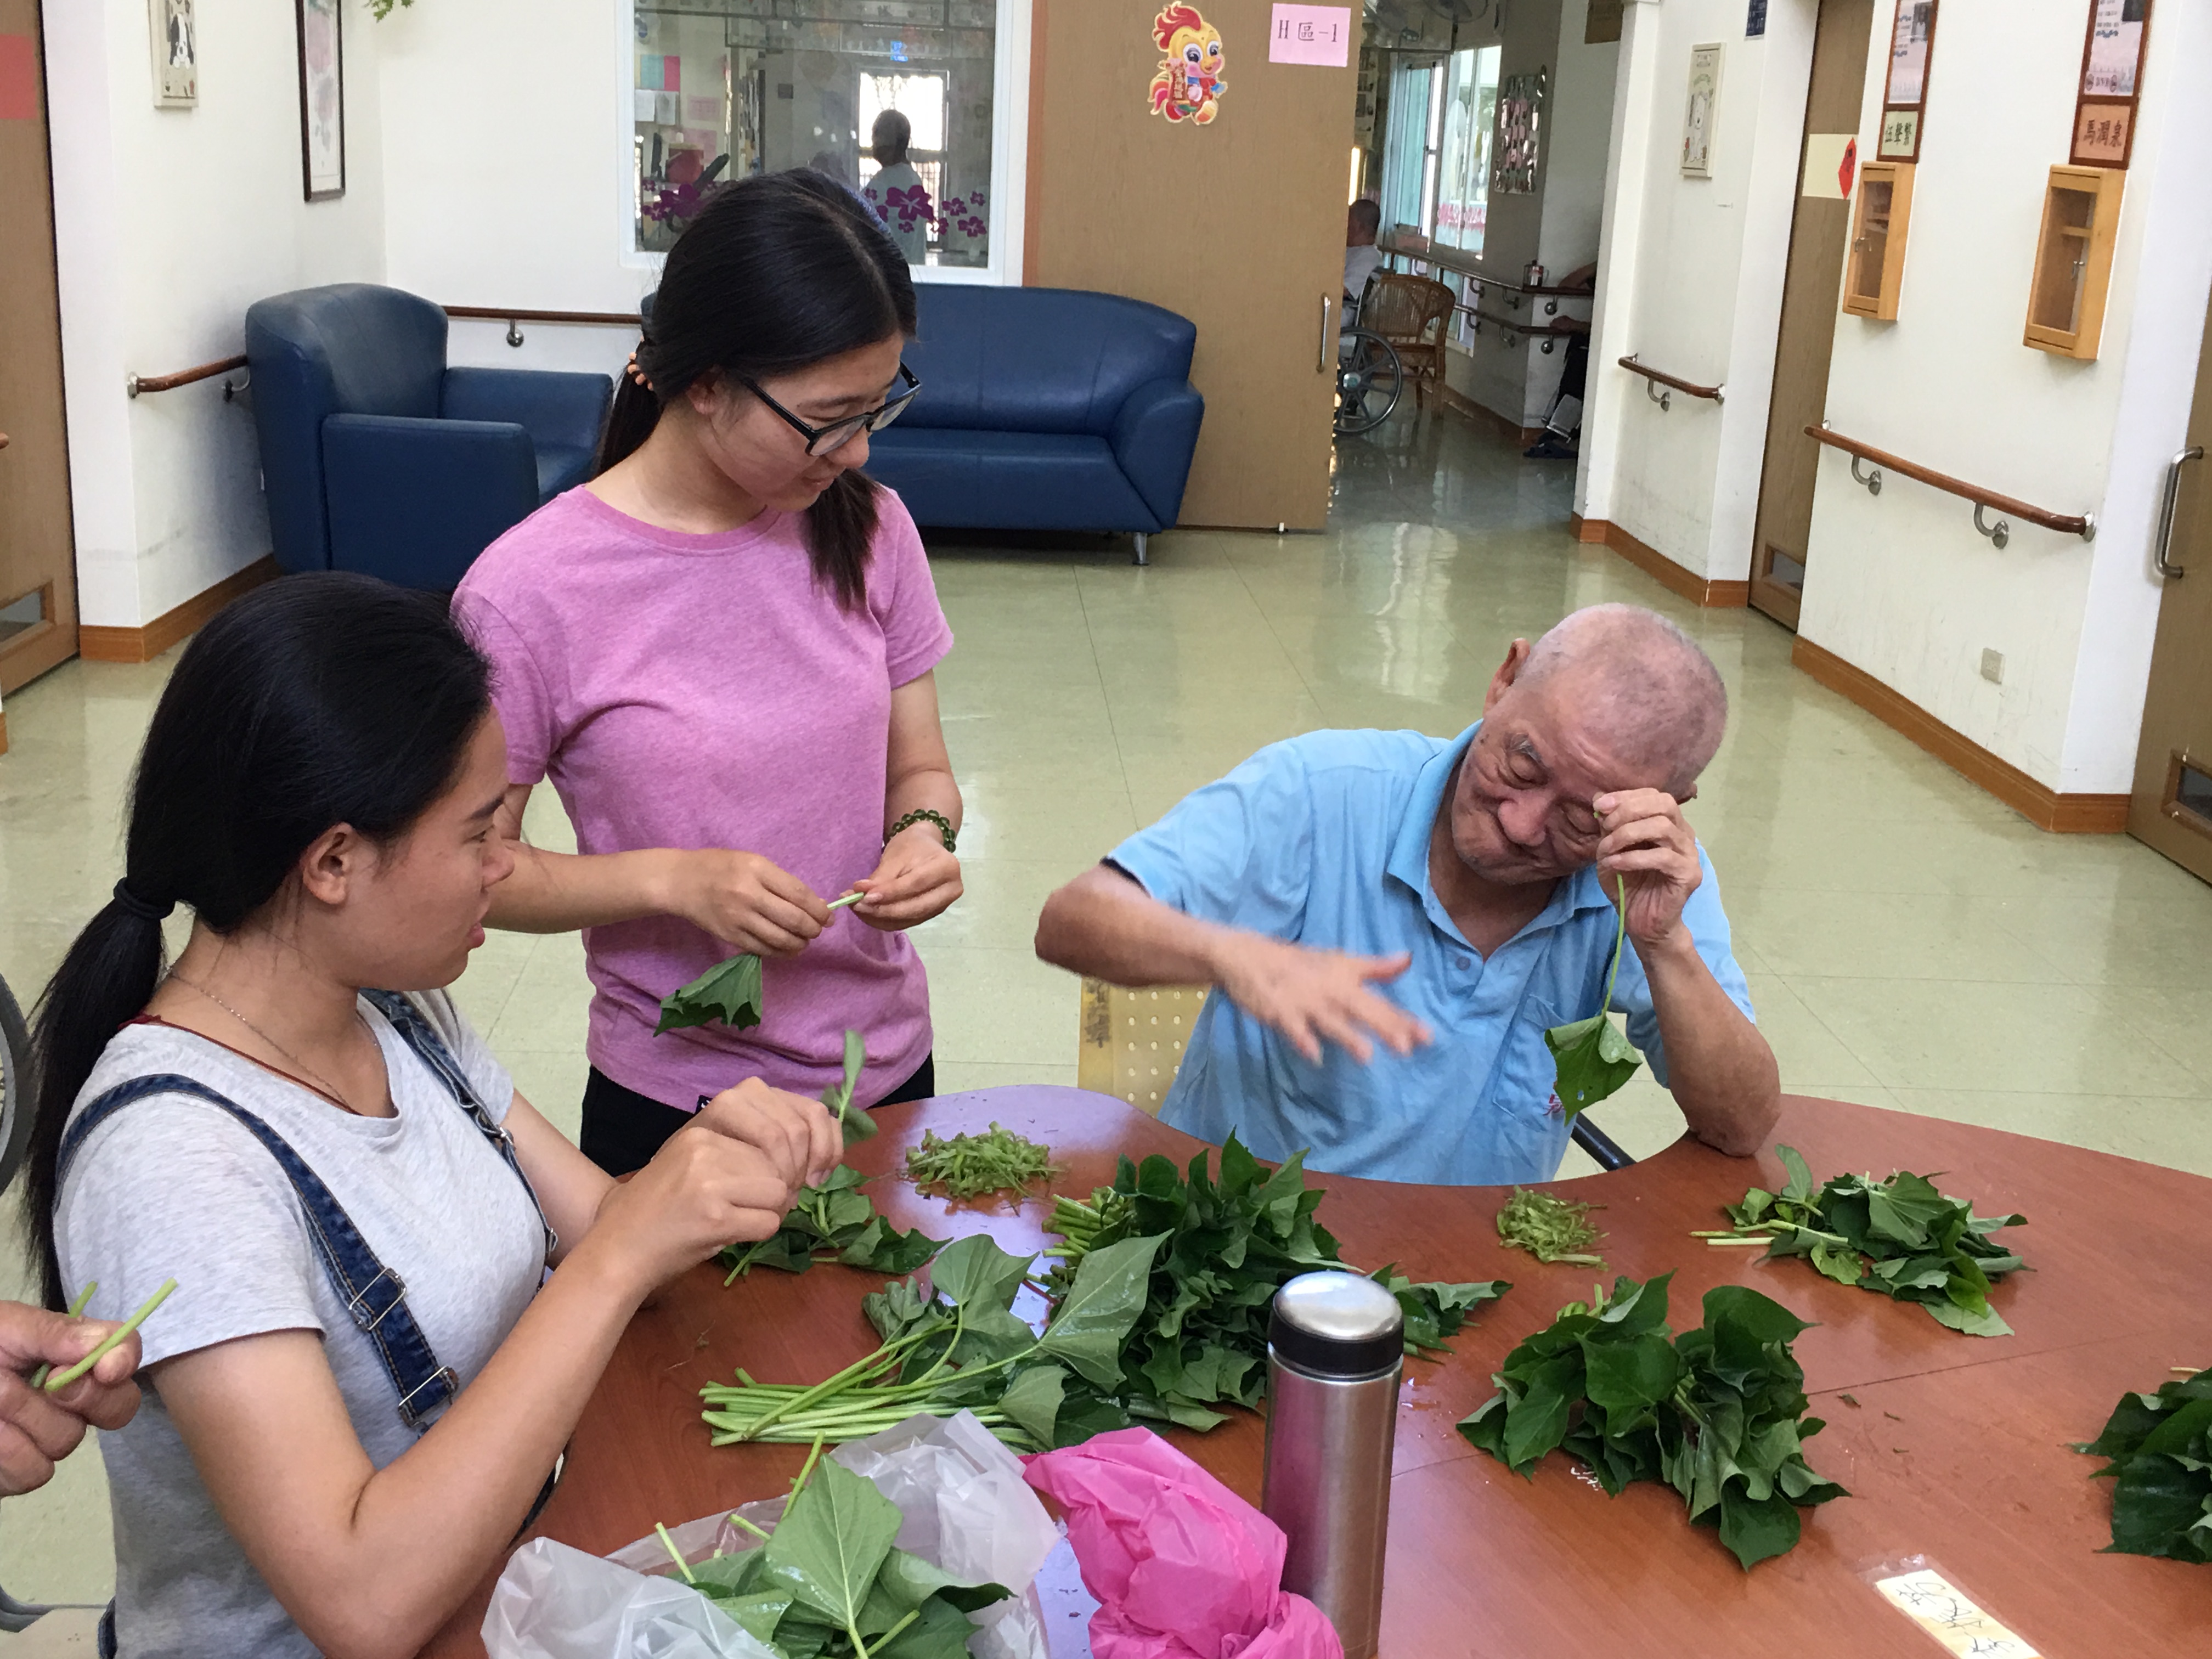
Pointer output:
x,y
62,1379
737,1519
1619,938
38,1377
675,1554
852,1372
807,1467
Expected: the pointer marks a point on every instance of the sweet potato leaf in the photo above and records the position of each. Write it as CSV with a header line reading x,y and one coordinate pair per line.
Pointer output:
x,y
729,992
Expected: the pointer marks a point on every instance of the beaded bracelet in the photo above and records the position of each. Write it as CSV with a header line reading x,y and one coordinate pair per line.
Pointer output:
x,y
925,815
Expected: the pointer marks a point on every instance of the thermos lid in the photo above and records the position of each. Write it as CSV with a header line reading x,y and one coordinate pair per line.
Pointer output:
x,y
1337,1324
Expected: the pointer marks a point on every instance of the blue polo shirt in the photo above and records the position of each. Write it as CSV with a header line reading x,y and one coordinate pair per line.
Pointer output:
x,y
1323,840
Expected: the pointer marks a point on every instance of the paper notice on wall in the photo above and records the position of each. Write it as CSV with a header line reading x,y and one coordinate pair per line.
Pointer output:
x,y
1831,162
646,101
1320,35
664,109
2115,48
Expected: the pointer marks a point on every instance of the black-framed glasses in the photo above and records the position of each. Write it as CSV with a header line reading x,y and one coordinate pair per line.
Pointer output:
x,y
825,440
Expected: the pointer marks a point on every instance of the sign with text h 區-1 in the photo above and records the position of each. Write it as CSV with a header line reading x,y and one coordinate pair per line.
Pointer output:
x,y
1310,34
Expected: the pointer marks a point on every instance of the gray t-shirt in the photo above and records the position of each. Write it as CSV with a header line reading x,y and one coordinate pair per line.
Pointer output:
x,y
174,1188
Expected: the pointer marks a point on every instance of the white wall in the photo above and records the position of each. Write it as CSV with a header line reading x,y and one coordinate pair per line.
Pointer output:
x,y
1902,585
1691,279
167,224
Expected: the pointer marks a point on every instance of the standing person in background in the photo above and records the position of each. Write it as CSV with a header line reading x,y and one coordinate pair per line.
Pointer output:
x,y
897,192
720,652
1361,257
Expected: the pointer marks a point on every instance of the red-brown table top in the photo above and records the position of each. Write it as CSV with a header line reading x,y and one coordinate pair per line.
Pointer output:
x,y
1956,1449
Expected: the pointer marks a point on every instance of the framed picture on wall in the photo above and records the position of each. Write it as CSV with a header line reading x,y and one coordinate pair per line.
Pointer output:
x,y
1905,93
1702,111
322,98
2111,65
174,32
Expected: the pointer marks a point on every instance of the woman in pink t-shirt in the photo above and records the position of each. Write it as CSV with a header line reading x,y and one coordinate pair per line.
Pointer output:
x,y
719,652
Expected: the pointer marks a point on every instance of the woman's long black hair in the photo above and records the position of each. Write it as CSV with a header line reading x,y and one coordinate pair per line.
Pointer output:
x,y
315,701
777,273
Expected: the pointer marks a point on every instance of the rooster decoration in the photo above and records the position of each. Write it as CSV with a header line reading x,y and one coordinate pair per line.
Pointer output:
x,y
1189,86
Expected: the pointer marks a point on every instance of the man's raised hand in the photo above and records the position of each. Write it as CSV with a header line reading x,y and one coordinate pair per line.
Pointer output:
x,y
1312,996
1647,841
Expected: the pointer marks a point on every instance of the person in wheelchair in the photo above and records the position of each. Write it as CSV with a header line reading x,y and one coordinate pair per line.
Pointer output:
x,y
1362,258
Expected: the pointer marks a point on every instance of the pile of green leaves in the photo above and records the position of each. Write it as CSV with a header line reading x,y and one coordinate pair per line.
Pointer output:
x,y
1899,1237
828,1583
1230,1244
2160,1450
834,1222
957,1343
1550,1229
1591,1058
1717,1413
968,1166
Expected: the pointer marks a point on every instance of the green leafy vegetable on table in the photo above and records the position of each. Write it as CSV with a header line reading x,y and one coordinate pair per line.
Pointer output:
x,y
970,1166
956,1343
2159,1451
1232,1244
828,1582
1550,1228
1592,1059
1900,1237
834,1222
1717,1412
1161,1303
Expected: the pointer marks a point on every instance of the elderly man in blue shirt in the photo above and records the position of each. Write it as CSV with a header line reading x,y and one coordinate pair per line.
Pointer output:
x,y
1396,919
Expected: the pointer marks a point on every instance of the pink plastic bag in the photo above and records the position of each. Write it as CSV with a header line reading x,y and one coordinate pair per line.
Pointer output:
x,y
1181,1566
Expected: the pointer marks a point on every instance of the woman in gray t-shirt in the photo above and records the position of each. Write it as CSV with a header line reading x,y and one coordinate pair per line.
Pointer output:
x,y
397,1283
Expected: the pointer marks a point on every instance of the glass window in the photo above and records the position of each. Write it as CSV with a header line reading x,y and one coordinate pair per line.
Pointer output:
x,y
1470,116
1405,147
893,99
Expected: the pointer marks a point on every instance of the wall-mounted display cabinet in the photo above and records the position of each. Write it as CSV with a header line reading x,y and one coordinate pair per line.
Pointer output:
x,y
1873,268
2074,260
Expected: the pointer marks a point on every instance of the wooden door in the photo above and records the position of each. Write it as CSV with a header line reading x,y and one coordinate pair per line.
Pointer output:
x,y
1818,232
1236,223
2171,806
38,568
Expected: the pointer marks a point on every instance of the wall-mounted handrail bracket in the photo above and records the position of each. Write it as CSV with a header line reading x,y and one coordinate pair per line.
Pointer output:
x,y
135,386
2083,525
1871,478
1717,394
2162,550
1664,399
514,335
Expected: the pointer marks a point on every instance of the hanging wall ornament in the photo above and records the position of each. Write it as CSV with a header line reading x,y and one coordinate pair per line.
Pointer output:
x,y
1189,86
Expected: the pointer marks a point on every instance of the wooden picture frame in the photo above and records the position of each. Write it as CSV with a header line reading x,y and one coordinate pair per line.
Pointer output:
x,y
2112,51
322,98
1905,81
173,31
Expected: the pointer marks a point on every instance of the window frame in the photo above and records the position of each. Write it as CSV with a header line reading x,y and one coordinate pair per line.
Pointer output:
x,y
1010,132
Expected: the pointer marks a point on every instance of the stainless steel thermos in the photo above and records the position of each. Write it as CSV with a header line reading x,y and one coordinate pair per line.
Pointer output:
x,y
1335,1347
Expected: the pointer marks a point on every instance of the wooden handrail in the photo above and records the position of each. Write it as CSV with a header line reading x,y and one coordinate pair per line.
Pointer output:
x,y
137,383
2083,525
512,314
1515,323
1460,262
1716,393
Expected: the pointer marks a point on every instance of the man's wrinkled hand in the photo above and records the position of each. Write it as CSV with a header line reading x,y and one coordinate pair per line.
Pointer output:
x,y
1313,996
39,1429
1647,842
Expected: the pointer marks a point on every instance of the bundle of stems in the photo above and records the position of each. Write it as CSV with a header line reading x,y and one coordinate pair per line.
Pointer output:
x,y
1080,1223
861,1399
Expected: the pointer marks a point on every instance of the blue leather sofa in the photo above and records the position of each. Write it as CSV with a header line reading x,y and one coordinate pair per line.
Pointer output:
x,y
377,458
1044,408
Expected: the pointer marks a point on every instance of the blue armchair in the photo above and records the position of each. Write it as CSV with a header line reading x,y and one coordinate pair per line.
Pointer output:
x,y
377,458
1044,408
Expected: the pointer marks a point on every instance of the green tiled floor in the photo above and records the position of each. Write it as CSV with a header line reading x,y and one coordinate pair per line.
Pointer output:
x,y
1910,942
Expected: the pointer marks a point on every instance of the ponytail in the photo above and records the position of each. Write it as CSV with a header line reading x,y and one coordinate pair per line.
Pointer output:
x,y
777,273
322,699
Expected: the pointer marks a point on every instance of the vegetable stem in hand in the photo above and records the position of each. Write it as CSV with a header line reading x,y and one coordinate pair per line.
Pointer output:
x,y
78,1307
62,1379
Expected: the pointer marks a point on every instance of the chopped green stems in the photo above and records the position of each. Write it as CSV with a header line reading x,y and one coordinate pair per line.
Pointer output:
x,y
675,1554
745,1377
849,898
83,1301
1724,1242
737,1519
1581,1261
62,1379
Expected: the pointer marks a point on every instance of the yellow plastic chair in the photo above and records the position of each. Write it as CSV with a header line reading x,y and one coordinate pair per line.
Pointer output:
x,y
1130,1045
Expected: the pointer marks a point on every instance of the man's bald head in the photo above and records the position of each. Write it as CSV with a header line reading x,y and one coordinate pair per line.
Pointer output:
x,y
1646,689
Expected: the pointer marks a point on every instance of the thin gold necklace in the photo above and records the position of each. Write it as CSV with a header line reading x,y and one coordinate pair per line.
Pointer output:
x,y
316,1077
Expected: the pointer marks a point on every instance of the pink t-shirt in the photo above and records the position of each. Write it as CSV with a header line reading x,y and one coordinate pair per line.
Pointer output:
x,y
697,692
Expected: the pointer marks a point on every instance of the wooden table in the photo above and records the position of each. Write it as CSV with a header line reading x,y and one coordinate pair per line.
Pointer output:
x,y
1956,1447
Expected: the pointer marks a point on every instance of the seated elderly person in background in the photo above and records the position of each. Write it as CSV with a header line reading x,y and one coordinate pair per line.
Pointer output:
x,y
1470,876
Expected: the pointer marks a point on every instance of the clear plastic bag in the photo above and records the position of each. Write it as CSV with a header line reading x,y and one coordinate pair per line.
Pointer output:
x,y
965,1506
